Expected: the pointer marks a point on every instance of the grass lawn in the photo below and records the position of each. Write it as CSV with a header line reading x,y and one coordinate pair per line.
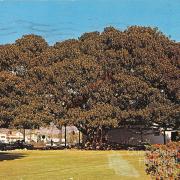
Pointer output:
x,y
72,165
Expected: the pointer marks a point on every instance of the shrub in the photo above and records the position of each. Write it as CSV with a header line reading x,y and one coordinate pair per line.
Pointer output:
x,y
162,161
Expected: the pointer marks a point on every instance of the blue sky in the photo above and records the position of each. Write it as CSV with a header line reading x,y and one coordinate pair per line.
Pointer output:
x,y
57,20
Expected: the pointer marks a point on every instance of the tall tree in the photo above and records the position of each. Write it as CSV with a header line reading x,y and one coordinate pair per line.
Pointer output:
x,y
97,82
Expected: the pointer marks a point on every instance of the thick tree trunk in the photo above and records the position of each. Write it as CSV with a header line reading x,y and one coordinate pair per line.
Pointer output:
x,y
101,136
65,136
94,136
60,135
141,134
79,138
164,135
24,134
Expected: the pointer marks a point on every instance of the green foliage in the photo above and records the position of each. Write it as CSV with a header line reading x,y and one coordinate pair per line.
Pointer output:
x,y
162,161
100,81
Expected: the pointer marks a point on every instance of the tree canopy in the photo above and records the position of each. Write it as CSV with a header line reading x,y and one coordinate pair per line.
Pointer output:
x,y
99,81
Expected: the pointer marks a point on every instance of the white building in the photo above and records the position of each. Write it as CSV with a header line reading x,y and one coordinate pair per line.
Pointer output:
x,y
133,137
8,135
37,135
3,138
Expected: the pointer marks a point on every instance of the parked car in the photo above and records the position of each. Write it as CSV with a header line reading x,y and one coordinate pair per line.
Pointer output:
x,y
54,146
21,145
142,146
15,145
2,146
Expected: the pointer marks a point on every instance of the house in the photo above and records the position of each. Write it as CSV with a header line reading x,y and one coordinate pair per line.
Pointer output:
x,y
10,135
44,135
3,137
133,137
13,136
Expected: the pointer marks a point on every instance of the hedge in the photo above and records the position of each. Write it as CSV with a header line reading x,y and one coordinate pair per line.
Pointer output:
x,y
163,161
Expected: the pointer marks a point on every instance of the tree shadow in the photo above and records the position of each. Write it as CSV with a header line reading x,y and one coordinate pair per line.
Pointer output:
x,y
11,156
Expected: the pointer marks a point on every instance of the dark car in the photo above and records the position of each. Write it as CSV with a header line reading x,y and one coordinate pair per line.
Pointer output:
x,y
2,146
21,145
143,146
15,145
6,146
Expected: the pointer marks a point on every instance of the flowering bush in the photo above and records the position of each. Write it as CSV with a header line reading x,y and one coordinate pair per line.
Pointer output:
x,y
163,161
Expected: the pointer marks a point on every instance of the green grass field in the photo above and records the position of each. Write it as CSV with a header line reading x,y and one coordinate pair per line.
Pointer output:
x,y
72,165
